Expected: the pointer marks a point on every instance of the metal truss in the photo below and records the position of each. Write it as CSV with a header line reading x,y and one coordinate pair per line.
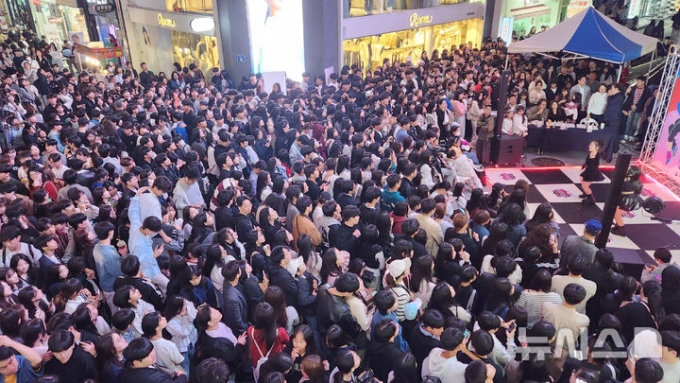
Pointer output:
x,y
668,79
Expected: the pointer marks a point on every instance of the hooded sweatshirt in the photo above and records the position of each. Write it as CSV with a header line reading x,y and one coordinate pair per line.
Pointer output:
x,y
448,370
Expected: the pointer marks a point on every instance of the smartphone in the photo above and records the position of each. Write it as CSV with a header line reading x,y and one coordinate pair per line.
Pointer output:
x,y
512,327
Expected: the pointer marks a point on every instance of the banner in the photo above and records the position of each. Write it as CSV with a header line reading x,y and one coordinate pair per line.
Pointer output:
x,y
576,6
100,53
667,154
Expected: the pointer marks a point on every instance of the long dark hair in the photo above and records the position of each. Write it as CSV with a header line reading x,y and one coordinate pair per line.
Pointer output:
x,y
421,271
543,214
173,307
308,334
106,351
329,264
82,319
277,299
264,319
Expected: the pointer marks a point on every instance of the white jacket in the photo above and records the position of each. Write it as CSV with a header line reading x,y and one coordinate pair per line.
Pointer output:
x,y
447,370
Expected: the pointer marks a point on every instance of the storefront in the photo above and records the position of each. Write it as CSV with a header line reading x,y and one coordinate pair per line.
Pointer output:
x,y
60,20
402,36
160,38
527,17
54,19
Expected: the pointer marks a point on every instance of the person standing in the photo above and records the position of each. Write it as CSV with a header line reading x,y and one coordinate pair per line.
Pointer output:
x,y
636,97
630,199
485,128
613,115
591,171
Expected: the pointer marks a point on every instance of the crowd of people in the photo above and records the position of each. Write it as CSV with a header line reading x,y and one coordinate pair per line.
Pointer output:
x,y
166,228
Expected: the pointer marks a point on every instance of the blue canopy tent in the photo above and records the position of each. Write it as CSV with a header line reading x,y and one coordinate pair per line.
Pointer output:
x,y
589,34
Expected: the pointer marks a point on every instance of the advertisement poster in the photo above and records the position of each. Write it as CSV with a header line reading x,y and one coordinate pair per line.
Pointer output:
x,y
153,45
667,154
277,36
76,38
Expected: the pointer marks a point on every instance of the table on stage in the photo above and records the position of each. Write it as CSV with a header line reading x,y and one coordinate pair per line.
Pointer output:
x,y
572,139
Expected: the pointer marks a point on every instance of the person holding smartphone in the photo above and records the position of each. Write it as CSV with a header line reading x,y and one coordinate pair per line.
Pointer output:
x,y
491,323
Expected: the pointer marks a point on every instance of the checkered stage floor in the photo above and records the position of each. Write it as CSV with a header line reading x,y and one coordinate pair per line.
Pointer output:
x,y
561,187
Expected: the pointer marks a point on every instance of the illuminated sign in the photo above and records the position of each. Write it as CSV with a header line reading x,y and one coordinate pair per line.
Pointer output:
x,y
203,24
414,21
103,8
166,22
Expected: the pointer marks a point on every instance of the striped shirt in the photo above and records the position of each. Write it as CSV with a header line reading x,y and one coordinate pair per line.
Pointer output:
x,y
532,301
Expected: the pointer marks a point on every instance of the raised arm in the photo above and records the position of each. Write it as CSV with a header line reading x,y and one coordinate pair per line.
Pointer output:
x,y
31,355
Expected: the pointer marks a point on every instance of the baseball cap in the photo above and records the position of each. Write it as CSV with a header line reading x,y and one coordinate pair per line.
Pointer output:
x,y
593,225
397,267
411,309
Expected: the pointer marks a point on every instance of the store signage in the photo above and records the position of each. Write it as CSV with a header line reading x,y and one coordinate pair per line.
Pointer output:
x,y
203,24
55,20
633,8
505,32
166,21
576,6
100,53
103,8
414,21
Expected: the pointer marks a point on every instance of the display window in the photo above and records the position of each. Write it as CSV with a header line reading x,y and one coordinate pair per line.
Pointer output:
x,y
357,8
189,6
406,46
199,50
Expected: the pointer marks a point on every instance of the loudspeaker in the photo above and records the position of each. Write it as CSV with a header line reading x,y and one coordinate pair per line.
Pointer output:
x,y
507,150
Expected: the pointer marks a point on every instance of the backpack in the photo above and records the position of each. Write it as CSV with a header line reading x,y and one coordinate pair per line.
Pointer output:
x,y
263,358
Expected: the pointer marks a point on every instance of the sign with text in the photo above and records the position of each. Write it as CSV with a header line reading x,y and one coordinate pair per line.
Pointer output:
x,y
100,53
576,6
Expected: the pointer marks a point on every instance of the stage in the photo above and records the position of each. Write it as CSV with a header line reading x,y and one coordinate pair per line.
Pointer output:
x,y
560,187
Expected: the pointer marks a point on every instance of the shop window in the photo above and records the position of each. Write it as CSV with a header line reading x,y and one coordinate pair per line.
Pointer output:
x,y
354,8
406,46
189,6
195,49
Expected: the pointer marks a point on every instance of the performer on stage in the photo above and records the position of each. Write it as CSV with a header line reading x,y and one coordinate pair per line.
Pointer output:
x,y
591,171
629,200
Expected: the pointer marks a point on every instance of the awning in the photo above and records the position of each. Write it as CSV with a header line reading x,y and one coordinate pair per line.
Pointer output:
x,y
529,12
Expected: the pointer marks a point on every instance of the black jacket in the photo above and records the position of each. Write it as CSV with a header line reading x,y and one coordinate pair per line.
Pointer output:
x,y
150,375
421,345
331,309
343,239
641,101
344,199
278,276
305,298
243,225
381,358
471,246
79,367
407,188
149,292
220,348
235,308
368,215
314,191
